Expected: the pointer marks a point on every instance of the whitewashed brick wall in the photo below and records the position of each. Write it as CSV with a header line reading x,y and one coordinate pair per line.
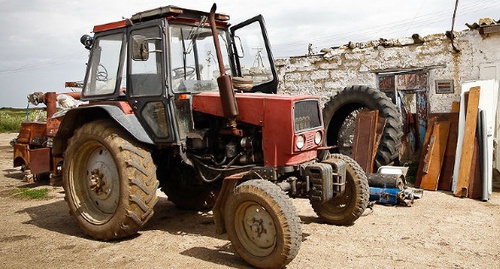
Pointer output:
x,y
327,73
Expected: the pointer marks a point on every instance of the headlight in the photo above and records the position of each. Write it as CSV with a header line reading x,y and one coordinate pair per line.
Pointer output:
x,y
318,137
300,142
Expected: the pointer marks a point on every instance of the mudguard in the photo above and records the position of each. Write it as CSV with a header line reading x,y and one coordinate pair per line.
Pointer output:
x,y
77,117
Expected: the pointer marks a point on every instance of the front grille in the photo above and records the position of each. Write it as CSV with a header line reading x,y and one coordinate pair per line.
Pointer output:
x,y
309,144
306,115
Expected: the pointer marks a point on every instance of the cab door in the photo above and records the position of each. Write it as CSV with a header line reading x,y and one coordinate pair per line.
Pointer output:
x,y
253,56
146,82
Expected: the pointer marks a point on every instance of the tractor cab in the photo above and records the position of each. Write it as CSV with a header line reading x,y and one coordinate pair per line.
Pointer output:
x,y
158,59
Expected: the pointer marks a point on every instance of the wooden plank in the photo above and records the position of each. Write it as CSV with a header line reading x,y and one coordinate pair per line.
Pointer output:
x,y
468,143
475,181
379,133
420,171
435,155
365,139
446,176
449,158
488,102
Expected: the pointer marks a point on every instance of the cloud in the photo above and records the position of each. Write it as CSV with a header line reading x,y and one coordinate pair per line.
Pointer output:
x,y
40,47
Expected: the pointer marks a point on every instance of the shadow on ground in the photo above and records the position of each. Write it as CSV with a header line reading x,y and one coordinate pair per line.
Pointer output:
x,y
223,255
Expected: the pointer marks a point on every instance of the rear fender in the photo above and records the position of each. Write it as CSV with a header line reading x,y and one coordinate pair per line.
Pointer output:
x,y
75,118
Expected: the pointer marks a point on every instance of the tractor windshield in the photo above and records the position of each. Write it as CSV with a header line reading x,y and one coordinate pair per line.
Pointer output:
x,y
103,72
193,60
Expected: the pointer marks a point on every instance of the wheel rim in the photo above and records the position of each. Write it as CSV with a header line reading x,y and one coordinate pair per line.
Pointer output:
x,y
255,228
97,182
347,132
342,202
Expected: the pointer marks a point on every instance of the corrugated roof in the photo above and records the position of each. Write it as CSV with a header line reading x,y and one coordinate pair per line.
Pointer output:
x,y
485,23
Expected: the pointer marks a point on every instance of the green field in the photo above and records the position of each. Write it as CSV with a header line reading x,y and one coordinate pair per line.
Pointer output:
x,y
11,118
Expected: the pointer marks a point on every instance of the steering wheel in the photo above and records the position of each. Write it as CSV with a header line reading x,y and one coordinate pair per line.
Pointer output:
x,y
179,72
102,73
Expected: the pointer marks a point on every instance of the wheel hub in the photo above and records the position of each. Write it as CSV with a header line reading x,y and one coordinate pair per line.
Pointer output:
x,y
260,226
257,227
97,183
102,180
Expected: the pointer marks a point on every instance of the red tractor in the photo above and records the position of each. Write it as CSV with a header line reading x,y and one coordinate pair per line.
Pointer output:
x,y
161,116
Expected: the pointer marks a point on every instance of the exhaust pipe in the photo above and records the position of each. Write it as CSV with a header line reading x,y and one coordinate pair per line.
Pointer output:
x,y
226,91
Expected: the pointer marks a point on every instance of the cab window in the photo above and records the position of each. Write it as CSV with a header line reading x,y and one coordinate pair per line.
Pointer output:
x,y
146,68
194,65
103,73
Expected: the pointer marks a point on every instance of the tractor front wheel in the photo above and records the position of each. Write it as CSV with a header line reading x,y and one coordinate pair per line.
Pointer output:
x,y
347,207
109,180
262,224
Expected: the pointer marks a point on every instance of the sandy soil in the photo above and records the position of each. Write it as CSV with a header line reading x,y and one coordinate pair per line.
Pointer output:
x,y
438,231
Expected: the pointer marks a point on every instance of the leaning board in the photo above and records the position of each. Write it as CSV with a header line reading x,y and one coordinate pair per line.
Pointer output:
x,y
465,166
488,102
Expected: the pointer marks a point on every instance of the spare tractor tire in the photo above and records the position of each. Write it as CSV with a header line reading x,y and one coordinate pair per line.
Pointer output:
x,y
339,115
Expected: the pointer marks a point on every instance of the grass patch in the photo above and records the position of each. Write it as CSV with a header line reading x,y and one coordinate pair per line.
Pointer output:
x,y
11,118
27,193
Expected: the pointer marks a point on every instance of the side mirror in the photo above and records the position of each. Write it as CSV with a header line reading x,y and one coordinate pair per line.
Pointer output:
x,y
87,41
140,48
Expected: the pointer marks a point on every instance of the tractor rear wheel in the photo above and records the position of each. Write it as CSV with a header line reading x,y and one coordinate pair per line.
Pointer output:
x,y
262,224
347,207
340,114
109,180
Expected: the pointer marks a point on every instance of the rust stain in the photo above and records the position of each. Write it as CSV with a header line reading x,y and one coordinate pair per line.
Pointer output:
x,y
456,67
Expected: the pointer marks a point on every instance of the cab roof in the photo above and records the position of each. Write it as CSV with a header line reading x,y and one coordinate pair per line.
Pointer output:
x,y
168,12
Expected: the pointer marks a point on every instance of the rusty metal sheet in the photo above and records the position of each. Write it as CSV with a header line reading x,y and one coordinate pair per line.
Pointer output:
x,y
365,137
53,126
31,130
39,161
21,154
386,83
411,81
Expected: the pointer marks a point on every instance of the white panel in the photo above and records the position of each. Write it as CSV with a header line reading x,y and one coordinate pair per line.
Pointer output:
x,y
488,101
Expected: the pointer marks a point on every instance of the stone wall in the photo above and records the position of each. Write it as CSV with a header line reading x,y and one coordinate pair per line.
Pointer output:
x,y
333,69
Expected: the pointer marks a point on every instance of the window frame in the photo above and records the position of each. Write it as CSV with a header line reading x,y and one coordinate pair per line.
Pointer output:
x,y
119,73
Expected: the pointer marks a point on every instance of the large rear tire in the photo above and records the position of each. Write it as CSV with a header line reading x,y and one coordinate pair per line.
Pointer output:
x,y
262,224
339,116
350,205
109,180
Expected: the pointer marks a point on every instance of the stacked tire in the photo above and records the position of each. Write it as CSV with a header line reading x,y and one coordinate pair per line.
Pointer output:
x,y
356,98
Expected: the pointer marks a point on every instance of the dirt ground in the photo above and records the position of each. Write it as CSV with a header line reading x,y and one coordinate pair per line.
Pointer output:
x,y
438,231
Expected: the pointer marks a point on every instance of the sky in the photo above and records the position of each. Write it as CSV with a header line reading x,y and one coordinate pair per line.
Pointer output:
x,y
40,45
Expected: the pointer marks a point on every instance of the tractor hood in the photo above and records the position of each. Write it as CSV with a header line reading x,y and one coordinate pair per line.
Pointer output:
x,y
283,118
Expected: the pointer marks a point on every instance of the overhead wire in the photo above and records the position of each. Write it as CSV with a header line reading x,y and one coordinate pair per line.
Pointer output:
x,y
388,29
42,63
438,16
329,40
